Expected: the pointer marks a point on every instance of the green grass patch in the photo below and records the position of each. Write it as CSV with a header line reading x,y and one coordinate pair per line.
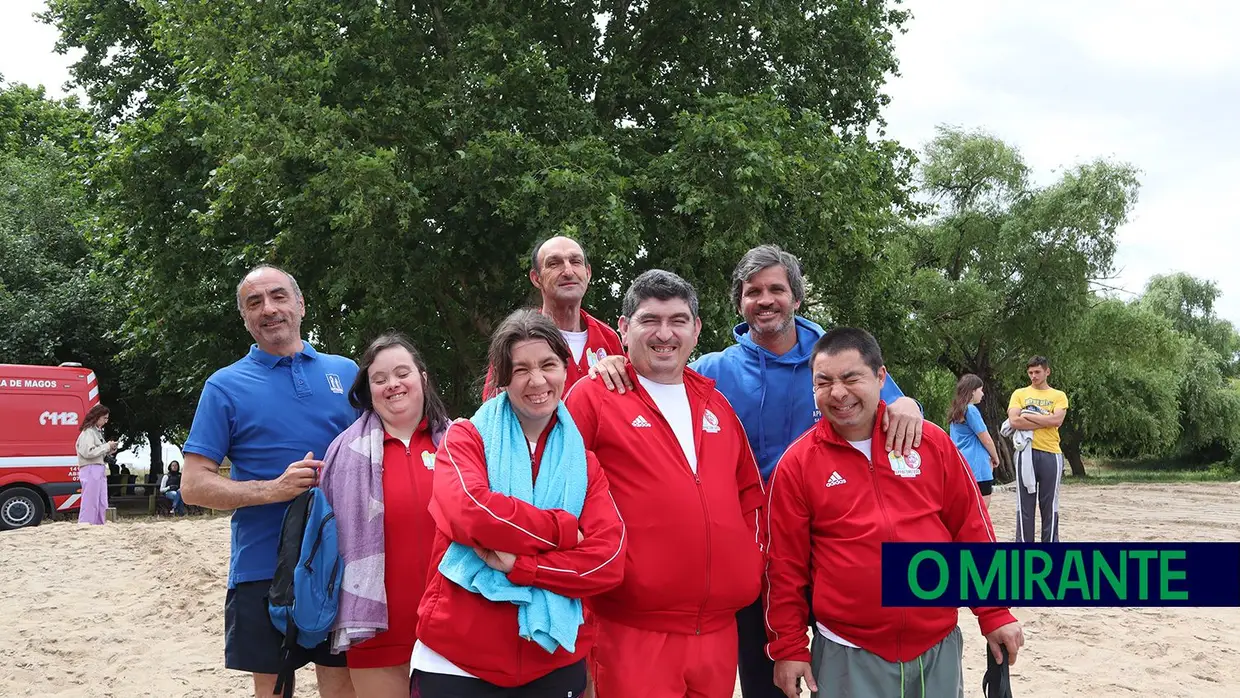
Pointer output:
x,y
1111,472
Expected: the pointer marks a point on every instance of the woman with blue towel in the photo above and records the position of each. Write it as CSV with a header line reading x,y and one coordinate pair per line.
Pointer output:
x,y
525,529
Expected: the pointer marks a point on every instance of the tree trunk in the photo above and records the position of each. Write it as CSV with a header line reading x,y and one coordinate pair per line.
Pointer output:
x,y
157,455
1072,454
1006,470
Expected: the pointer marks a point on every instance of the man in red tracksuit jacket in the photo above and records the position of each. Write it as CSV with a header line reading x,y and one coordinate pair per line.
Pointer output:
x,y
561,273
688,488
835,497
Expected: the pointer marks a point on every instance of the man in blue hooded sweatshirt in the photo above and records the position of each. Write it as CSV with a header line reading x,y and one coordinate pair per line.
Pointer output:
x,y
766,377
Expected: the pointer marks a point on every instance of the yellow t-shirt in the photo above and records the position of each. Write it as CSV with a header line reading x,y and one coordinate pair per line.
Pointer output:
x,y
1045,402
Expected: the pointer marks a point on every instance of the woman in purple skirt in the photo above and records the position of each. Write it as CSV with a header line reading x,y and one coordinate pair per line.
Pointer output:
x,y
91,448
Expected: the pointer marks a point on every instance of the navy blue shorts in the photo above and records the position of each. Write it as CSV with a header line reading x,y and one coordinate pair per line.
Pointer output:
x,y
251,642
567,681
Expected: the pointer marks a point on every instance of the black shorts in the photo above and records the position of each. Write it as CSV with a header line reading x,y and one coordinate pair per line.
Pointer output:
x,y
251,642
566,681
986,486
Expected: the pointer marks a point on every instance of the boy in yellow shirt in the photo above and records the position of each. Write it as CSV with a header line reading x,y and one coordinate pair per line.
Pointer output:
x,y
1040,409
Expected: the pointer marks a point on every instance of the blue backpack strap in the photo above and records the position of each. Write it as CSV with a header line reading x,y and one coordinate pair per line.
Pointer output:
x,y
281,597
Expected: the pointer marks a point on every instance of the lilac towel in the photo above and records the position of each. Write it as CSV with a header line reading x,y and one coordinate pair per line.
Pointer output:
x,y
353,482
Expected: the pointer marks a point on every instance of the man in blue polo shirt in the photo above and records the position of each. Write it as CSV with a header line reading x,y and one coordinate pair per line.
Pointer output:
x,y
270,413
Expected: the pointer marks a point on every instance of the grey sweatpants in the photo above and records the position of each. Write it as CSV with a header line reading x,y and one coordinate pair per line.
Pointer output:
x,y
1047,474
849,672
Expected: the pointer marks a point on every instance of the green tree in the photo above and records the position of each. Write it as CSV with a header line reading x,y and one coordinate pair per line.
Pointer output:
x,y
1188,302
1003,268
402,159
62,302
1209,403
1122,367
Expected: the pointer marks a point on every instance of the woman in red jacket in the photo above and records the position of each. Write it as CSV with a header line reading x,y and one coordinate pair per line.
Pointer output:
x,y
522,512
384,461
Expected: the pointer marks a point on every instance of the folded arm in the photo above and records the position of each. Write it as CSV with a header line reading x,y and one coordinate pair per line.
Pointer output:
x,y
596,564
467,511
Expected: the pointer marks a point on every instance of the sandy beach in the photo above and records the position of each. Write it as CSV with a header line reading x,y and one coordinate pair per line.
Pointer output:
x,y
136,608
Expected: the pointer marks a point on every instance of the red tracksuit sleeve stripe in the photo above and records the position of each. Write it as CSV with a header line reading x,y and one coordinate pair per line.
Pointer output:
x,y
468,512
964,515
787,579
596,564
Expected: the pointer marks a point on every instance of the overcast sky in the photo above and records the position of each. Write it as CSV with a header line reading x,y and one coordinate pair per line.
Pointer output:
x,y
1155,84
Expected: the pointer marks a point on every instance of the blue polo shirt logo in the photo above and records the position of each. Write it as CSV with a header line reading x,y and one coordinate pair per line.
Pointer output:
x,y
333,382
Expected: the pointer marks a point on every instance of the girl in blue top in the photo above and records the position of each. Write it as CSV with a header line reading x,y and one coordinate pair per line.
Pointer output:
x,y
969,433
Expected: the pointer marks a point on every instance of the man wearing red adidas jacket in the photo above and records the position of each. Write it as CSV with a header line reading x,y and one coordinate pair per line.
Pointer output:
x,y
681,472
561,272
835,497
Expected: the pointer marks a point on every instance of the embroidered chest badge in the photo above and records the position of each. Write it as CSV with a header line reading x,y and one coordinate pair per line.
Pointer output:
x,y
333,382
710,423
905,466
428,460
593,357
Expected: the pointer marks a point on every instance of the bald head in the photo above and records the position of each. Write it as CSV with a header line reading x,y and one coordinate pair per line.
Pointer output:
x,y
558,242
272,307
261,271
561,274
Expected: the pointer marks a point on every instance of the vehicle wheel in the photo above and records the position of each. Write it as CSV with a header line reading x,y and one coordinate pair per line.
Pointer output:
x,y
20,506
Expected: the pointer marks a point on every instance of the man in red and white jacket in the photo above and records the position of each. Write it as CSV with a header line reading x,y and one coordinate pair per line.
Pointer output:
x,y
835,497
561,273
681,472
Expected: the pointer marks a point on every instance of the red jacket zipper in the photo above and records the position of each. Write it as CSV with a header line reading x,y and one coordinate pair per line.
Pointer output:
x,y
706,514
701,494
890,538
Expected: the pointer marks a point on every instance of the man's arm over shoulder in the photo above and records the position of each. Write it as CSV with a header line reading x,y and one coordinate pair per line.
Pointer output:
x,y
469,512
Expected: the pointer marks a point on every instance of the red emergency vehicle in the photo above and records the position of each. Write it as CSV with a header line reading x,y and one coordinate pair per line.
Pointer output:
x,y
41,408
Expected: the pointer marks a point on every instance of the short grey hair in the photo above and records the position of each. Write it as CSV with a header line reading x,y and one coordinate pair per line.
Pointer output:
x,y
660,284
765,257
292,281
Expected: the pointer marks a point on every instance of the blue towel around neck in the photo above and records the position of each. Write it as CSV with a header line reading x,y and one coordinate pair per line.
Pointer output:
x,y
547,618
